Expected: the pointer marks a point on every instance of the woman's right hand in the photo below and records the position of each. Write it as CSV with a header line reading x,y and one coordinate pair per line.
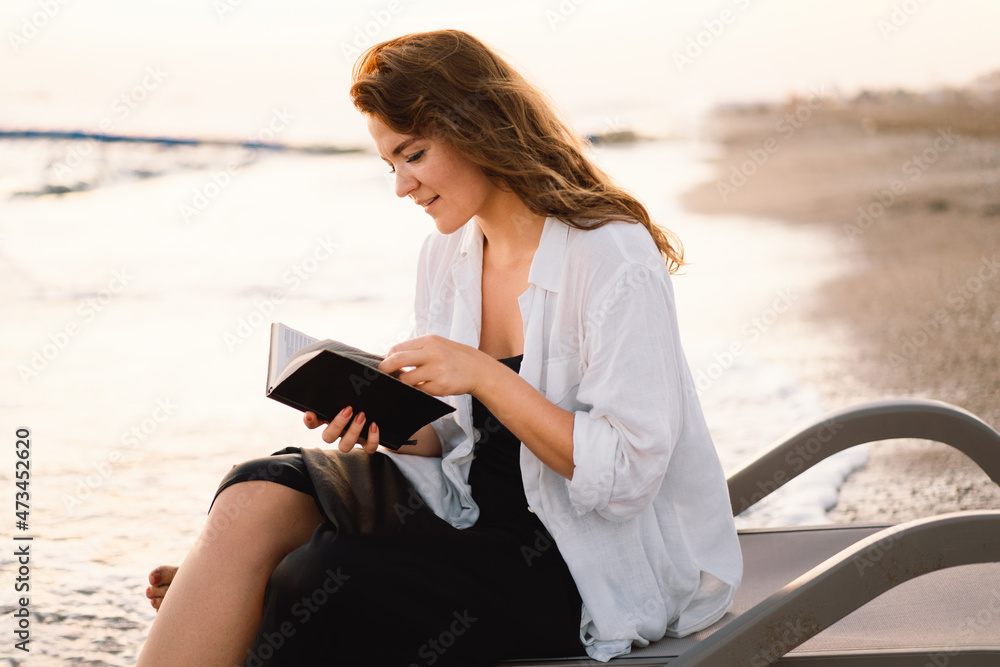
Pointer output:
x,y
351,436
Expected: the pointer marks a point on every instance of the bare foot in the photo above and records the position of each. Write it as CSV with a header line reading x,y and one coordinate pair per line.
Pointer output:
x,y
159,580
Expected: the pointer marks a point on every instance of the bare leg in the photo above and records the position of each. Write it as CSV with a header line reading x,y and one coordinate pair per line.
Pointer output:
x,y
217,596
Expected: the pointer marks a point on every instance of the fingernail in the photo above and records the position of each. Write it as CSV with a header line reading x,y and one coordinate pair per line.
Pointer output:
x,y
346,411
360,419
373,428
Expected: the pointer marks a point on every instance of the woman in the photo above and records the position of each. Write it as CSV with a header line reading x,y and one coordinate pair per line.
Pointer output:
x,y
573,500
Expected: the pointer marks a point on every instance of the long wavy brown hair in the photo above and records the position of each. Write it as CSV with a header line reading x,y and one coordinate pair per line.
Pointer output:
x,y
449,85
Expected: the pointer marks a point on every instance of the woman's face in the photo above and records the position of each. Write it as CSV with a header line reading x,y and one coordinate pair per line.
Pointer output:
x,y
435,176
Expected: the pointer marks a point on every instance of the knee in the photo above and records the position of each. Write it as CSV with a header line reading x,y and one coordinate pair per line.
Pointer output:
x,y
273,512
241,485
230,508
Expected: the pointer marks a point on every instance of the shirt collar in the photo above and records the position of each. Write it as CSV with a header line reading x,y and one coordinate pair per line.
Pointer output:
x,y
472,241
547,264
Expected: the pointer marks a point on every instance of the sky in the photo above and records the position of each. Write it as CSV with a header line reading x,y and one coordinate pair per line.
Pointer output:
x,y
223,68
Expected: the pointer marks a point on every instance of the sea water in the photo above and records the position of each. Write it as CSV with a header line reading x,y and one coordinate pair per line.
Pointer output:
x,y
135,335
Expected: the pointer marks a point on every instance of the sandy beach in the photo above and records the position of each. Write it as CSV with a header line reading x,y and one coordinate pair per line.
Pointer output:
x,y
912,183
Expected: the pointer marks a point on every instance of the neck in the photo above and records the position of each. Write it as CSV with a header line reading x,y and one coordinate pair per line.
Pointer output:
x,y
511,231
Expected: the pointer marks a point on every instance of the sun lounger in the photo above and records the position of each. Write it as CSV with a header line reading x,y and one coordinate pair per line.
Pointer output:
x,y
925,593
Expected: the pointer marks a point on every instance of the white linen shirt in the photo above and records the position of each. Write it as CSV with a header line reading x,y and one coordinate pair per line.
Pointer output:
x,y
645,523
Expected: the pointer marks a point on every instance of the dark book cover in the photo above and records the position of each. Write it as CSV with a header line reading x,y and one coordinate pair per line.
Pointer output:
x,y
327,376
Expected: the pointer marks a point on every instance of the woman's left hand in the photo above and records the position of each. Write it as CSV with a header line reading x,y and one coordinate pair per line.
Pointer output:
x,y
438,366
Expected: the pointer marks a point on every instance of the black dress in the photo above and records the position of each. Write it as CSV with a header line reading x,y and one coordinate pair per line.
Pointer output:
x,y
386,582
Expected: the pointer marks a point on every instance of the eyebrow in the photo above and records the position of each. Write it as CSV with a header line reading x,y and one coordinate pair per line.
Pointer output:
x,y
402,146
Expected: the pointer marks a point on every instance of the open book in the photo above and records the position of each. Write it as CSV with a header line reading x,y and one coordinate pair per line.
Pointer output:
x,y
326,376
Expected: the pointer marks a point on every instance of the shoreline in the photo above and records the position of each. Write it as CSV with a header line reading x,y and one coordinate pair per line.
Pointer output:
x,y
911,187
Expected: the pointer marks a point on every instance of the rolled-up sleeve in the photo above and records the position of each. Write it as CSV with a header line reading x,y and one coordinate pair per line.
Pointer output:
x,y
632,382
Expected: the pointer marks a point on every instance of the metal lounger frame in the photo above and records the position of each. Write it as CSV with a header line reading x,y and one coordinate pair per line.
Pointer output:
x,y
835,587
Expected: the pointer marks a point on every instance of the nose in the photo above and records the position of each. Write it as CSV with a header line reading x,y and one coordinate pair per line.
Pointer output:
x,y
405,184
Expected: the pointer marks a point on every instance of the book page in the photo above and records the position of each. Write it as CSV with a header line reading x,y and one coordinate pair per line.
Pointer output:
x,y
285,342
291,349
302,355
362,357
291,341
325,375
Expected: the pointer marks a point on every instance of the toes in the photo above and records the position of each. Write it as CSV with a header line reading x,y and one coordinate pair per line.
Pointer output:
x,y
156,592
159,580
155,595
162,575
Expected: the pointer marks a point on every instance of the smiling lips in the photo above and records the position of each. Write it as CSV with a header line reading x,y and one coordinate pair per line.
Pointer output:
x,y
428,202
